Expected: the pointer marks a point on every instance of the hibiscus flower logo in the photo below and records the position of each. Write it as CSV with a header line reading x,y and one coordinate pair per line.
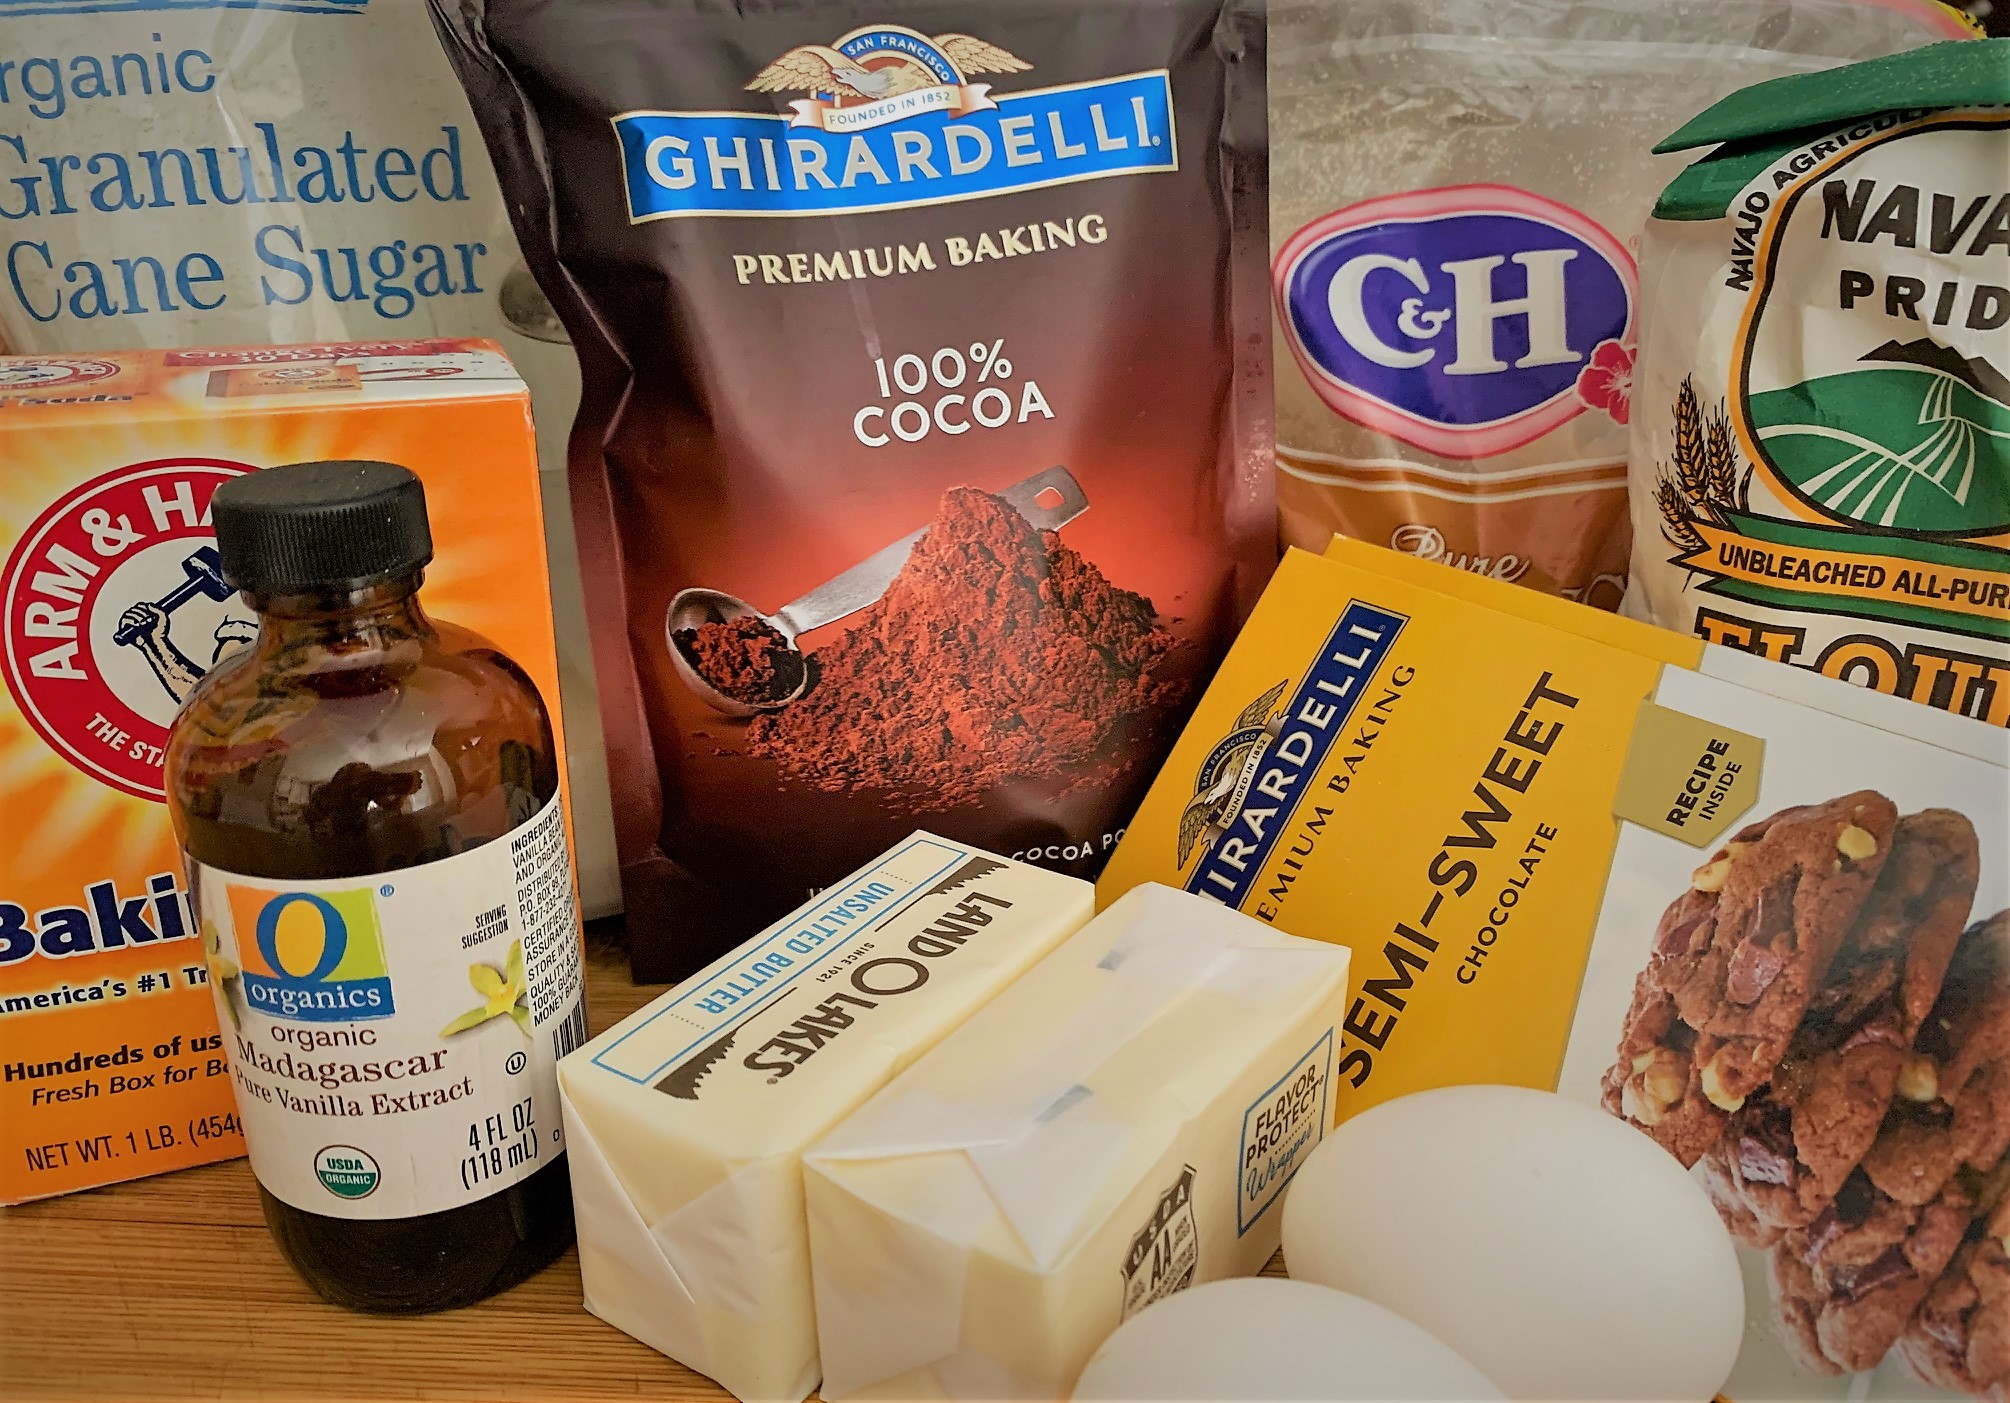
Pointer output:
x,y
1607,381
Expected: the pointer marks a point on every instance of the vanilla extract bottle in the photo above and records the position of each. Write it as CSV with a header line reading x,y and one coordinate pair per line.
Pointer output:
x,y
368,802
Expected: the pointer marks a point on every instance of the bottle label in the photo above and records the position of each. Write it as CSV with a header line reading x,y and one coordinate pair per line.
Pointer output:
x,y
394,1039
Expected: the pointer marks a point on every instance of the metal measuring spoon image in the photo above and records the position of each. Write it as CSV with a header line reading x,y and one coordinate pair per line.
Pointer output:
x,y
1049,500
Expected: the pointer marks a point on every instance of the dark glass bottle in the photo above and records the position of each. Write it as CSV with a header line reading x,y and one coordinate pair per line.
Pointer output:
x,y
359,738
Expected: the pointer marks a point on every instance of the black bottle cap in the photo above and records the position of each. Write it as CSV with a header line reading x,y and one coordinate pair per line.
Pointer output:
x,y
313,526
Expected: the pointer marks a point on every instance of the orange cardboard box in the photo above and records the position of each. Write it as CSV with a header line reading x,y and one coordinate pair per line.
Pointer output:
x,y
111,1066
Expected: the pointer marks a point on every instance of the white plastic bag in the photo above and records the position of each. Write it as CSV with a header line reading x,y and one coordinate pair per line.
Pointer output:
x,y
1821,461
215,174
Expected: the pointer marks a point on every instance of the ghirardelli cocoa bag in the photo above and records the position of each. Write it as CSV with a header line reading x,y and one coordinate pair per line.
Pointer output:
x,y
924,460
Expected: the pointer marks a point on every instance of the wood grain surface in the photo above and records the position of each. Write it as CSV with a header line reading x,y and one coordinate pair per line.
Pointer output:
x,y
171,1288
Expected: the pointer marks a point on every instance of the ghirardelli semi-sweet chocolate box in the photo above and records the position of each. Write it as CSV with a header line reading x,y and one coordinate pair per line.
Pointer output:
x,y
1758,915
924,463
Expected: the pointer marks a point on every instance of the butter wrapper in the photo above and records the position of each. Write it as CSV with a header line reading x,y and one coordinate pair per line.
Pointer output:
x,y
686,1122
1118,1125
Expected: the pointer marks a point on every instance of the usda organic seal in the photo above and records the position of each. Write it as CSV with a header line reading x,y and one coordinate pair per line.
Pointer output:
x,y
346,1171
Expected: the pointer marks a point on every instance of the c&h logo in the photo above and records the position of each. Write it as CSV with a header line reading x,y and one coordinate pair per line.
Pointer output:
x,y
312,957
1467,320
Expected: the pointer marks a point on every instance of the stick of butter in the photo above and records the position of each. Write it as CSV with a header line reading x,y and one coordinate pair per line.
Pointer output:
x,y
1116,1126
685,1122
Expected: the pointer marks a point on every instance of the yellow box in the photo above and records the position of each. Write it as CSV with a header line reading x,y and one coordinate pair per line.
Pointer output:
x,y
1564,850
110,1063
1430,769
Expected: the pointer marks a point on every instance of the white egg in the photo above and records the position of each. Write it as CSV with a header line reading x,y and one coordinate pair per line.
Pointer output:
x,y
1561,1251
1265,1338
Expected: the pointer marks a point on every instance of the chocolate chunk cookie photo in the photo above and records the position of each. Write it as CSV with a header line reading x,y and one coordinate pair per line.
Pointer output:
x,y
1911,1250
1822,1030
1846,1288
1736,961
1857,1279
1959,1339
1807,1006
1785,1153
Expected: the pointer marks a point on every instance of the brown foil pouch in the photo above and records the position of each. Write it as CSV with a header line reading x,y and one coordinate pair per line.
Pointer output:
x,y
923,462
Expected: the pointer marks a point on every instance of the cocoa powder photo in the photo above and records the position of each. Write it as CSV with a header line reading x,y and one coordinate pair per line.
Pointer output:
x,y
746,658
998,653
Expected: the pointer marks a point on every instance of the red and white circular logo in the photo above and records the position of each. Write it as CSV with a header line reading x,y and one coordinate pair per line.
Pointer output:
x,y
115,605
21,373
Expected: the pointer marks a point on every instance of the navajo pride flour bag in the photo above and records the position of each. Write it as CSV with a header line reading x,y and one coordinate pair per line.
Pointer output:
x,y
924,458
1821,453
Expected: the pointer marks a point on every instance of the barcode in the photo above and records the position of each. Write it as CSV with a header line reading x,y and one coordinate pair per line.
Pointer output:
x,y
570,1033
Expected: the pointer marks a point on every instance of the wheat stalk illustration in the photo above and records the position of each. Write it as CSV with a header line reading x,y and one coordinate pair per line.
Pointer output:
x,y
1720,472
1692,465
1676,522
1702,480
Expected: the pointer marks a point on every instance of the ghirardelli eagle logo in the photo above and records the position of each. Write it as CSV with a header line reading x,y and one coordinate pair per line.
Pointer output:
x,y
1225,774
883,74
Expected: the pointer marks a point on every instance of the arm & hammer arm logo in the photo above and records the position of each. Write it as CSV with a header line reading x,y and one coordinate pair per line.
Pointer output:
x,y
312,957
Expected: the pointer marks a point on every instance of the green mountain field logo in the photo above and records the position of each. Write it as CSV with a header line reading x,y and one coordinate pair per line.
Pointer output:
x,y
1914,439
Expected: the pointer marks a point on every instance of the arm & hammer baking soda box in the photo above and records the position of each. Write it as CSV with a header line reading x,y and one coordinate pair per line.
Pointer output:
x,y
111,1063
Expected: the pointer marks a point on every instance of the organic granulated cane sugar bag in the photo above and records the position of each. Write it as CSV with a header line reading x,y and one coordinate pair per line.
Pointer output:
x,y
183,173
1457,200
923,466
1821,457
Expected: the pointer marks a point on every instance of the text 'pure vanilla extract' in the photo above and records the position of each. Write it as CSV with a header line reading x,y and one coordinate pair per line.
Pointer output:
x,y
369,802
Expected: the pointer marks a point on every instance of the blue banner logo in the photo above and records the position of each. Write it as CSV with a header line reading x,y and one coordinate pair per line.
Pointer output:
x,y
312,957
1278,769
892,120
